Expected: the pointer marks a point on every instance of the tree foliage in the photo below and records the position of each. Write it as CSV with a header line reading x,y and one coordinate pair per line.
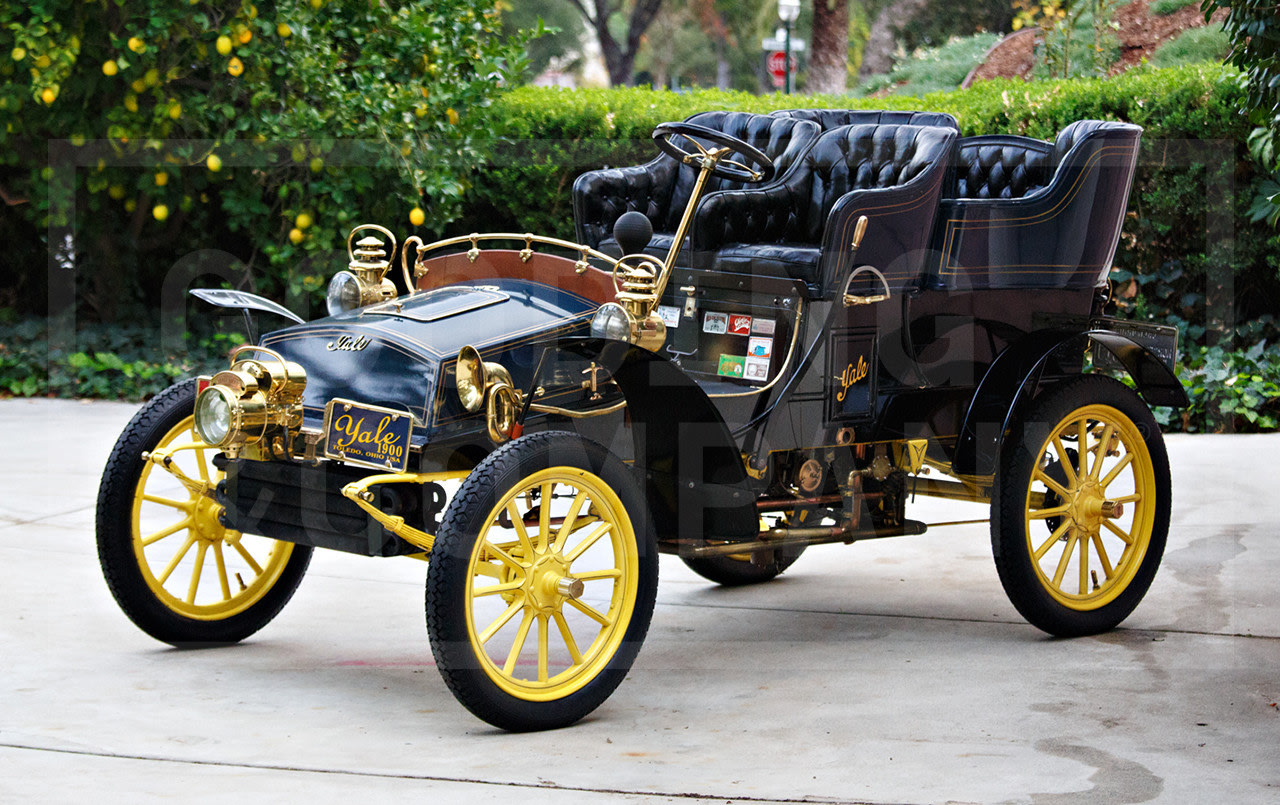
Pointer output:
x,y
137,133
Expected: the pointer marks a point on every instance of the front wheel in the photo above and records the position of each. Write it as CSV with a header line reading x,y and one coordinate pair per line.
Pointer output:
x,y
176,571
1080,510
541,582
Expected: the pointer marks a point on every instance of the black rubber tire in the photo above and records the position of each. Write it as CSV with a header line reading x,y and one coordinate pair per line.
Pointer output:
x,y
450,567
1009,538
731,572
115,538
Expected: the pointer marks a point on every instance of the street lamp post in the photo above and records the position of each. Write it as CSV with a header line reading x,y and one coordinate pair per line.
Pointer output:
x,y
788,10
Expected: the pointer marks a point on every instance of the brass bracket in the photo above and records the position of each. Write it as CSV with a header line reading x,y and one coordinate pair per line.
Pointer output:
x,y
527,251
474,251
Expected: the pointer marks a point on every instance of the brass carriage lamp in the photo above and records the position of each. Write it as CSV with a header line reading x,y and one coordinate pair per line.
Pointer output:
x,y
365,280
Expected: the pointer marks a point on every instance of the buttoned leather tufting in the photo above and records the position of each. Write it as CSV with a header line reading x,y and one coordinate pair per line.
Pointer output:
x,y
661,188
997,166
800,227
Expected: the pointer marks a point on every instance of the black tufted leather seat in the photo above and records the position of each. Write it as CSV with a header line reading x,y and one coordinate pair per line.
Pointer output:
x,y
661,188
1030,214
835,118
802,227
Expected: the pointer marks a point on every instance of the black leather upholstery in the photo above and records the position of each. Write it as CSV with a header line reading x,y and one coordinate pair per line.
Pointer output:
x,y
1029,214
835,118
801,227
661,188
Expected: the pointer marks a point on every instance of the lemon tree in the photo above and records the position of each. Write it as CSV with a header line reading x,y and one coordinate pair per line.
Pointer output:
x,y
258,115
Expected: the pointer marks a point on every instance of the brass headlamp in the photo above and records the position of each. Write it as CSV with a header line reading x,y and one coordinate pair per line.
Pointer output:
x,y
254,400
365,280
481,382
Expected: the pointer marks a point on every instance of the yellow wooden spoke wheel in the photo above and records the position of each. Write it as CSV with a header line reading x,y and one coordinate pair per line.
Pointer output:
x,y
175,570
1081,510
541,582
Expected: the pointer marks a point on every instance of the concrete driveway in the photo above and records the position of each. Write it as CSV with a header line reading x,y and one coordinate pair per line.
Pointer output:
x,y
884,672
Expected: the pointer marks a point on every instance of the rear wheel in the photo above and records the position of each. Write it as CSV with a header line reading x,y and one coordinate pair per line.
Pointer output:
x,y
1080,512
541,583
175,570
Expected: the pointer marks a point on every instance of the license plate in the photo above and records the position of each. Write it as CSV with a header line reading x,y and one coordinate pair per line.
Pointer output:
x,y
367,435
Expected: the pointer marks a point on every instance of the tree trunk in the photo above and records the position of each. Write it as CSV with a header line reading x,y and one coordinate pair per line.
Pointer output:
x,y
829,47
877,58
619,61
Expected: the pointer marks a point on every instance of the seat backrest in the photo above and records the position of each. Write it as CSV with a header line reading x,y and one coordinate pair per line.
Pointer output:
x,y
783,140
865,156
830,119
1002,166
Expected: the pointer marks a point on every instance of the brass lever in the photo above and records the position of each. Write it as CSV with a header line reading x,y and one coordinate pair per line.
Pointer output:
x,y
859,231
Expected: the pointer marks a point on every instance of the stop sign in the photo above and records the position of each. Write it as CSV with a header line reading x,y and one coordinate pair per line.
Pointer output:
x,y
777,64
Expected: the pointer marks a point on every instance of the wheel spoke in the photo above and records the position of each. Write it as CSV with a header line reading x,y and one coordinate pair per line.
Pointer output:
x,y
588,541
544,630
495,589
1134,498
247,557
567,527
1104,442
182,505
222,571
517,520
506,558
165,532
489,569
502,620
1124,536
1084,564
201,465
1082,446
569,642
1052,512
1102,554
594,575
1058,532
173,563
518,645
1066,558
590,612
544,516
196,573
1064,461
1053,485
1116,470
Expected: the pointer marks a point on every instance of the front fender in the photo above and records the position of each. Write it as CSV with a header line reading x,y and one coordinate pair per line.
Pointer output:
x,y
1012,378
692,466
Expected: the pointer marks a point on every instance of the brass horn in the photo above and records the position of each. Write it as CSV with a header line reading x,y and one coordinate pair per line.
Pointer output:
x,y
476,376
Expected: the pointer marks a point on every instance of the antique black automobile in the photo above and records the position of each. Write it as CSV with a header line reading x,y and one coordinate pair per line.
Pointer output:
x,y
839,311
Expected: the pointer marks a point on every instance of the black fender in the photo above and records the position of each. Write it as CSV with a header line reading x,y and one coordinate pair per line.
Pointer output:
x,y
693,470
1013,376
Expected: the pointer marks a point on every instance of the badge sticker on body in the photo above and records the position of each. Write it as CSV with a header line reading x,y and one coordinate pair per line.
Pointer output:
x,y
740,325
761,326
670,315
760,347
367,435
731,365
757,369
715,323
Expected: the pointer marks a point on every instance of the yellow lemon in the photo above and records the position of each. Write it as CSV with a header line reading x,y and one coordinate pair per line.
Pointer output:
x,y
43,61
152,77
245,36
49,95
417,216
213,163
223,45
138,86
162,179
175,110
18,54
131,103
136,44
317,165
302,221
109,67
452,115
317,3
296,235
116,191
283,30
160,212
235,66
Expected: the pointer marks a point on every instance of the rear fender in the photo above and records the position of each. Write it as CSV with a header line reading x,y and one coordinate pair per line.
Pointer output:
x,y
692,466
1013,376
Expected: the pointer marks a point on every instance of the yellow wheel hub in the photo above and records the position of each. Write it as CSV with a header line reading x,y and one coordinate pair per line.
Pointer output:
x,y
192,563
552,584
1095,493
